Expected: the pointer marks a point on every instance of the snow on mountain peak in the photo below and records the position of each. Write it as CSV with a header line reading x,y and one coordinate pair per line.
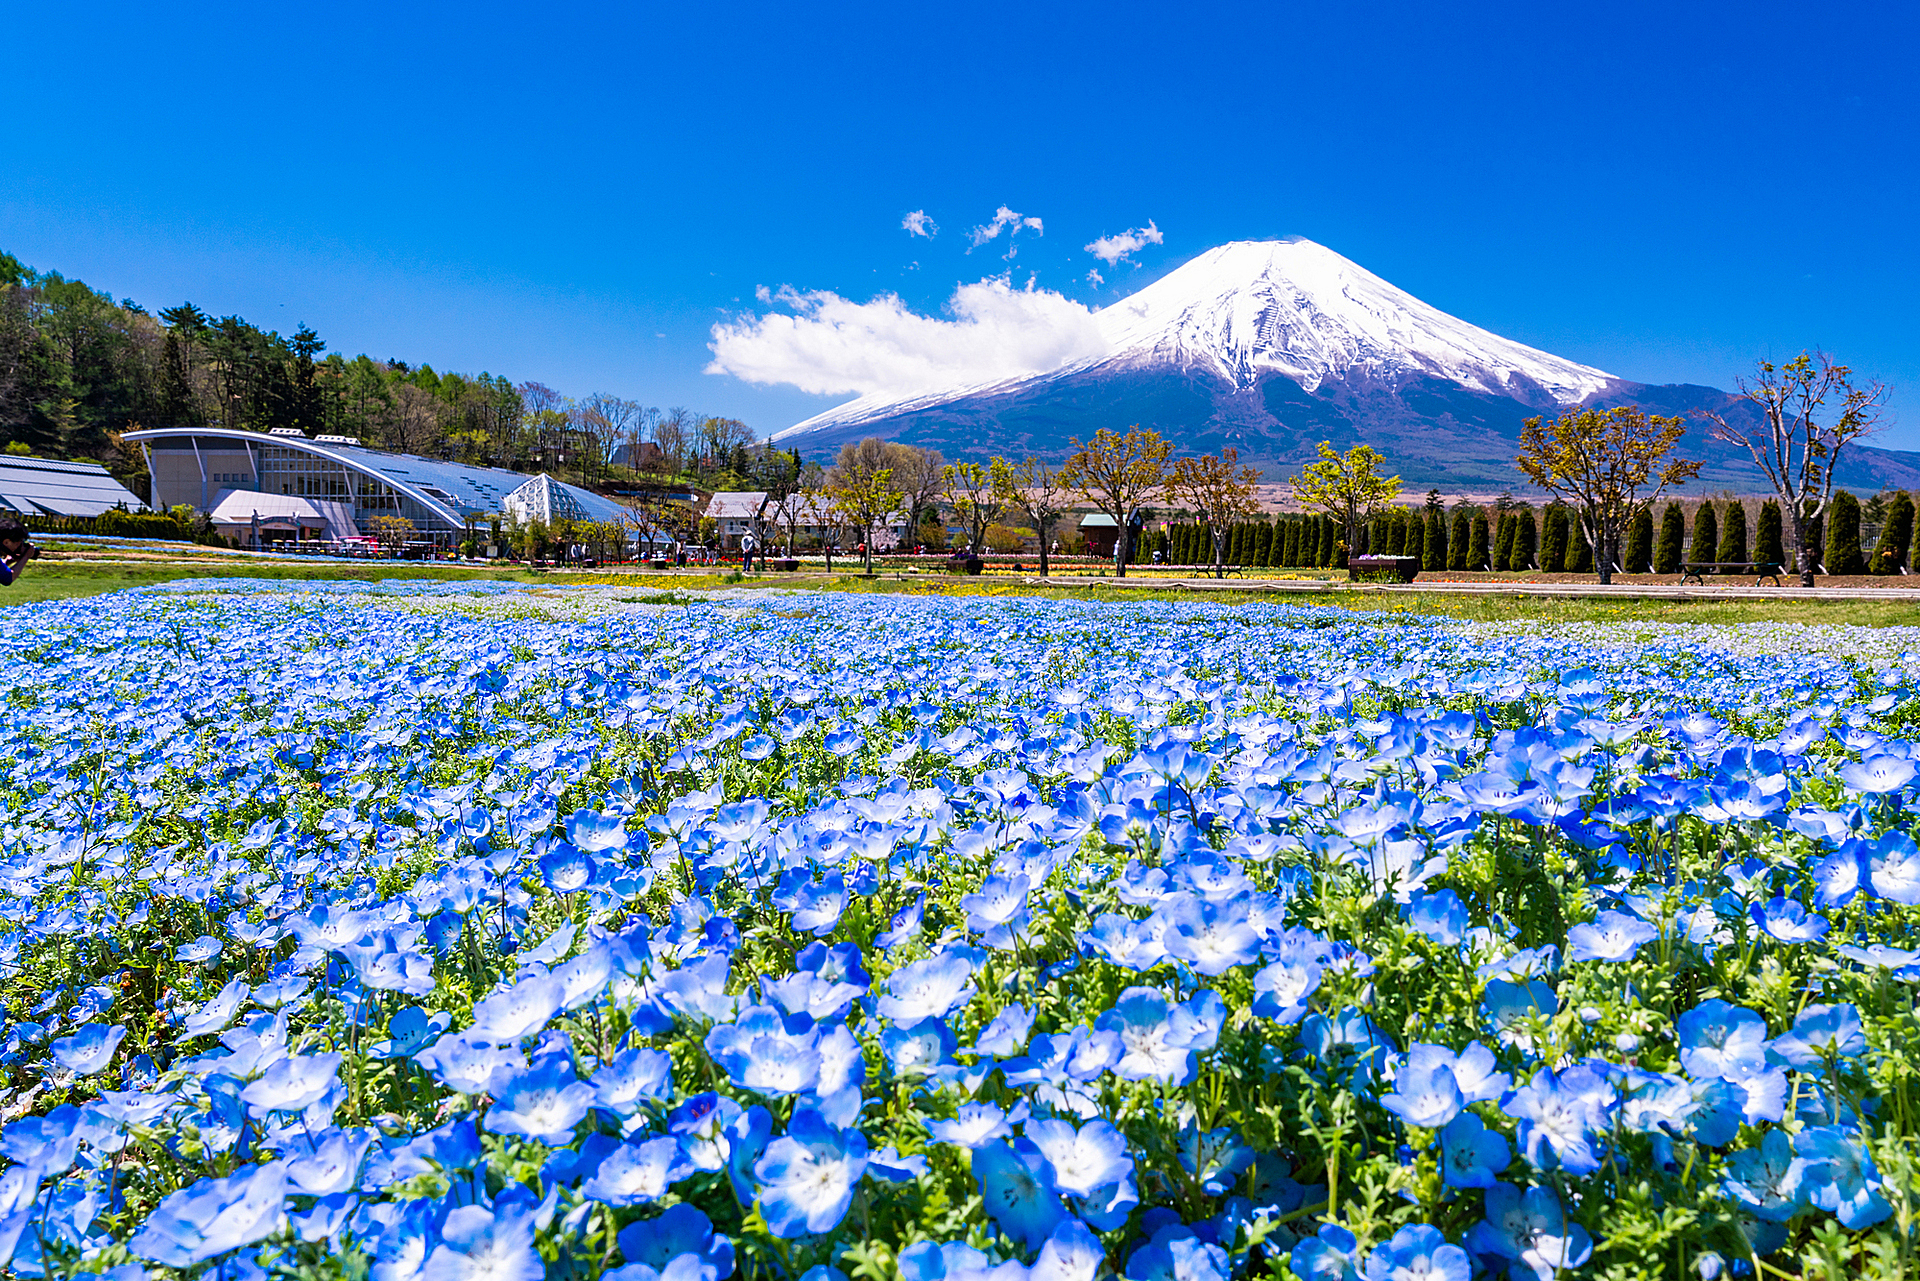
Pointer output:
x,y
1297,308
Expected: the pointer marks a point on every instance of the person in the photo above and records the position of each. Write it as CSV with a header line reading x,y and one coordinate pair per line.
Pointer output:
x,y
15,550
748,545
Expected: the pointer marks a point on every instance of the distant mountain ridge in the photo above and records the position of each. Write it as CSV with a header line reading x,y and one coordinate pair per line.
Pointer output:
x,y
1273,346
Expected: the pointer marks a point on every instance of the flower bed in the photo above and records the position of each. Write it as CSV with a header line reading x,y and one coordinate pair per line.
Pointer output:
x,y
450,930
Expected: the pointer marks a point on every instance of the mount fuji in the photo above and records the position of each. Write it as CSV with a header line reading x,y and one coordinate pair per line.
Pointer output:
x,y
1272,346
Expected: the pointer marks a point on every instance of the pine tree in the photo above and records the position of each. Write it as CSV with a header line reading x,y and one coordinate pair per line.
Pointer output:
x,y
1262,544
1525,542
1640,542
1843,536
1277,543
1553,540
1433,555
1329,543
1769,545
1673,532
1733,534
1457,539
1478,552
1890,552
1579,551
1706,536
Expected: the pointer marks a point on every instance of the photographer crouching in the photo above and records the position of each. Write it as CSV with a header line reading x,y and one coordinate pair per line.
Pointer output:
x,y
15,550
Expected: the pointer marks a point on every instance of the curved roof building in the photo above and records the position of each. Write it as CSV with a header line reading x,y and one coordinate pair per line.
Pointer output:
x,y
347,485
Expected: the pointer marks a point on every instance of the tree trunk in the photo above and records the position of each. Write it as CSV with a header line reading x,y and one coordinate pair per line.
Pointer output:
x,y
1120,547
1219,552
1043,530
1802,554
1603,553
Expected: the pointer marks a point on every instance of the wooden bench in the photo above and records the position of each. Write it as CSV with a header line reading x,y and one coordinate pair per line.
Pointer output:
x,y
1761,569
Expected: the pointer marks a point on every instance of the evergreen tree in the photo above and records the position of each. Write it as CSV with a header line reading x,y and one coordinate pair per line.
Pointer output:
x,y
1733,534
1457,549
1396,535
1817,539
1276,542
1329,543
1478,552
1673,530
1706,536
1769,543
1433,555
1525,541
1579,551
1640,542
1553,540
1896,533
1843,536
1503,542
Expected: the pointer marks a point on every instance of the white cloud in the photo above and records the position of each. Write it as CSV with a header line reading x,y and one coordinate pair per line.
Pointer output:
x,y
1095,279
1114,250
918,224
1005,219
833,346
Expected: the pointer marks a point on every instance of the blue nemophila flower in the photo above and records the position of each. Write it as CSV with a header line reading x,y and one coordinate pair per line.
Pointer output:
x,y
1768,1181
1176,1253
767,1052
1017,1183
566,869
1425,1093
545,1101
1007,1034
468,1064
638,1172
1529,1230
218,1010
1471,1154
1722,1040
477,1242
1821,1032
1878,774
1071,1253
1329,1255
929,988
596,832
331,1163
976,1125
921,1049
1418,1252
1085,1159
214,1216
1612,936
1282,990
1789,921
408,1032
1511,1006
1441,916
293,1083
807,1175
630,1078
1893,868
1158,1040
1563,1118
88,1050
520,1010
1839,1176
948,1261
1215,1157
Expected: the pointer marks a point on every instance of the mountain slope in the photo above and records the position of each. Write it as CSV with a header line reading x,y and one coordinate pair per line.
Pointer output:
x,y
1273,346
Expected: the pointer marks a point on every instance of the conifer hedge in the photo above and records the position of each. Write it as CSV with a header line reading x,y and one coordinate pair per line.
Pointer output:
x,y
1733,534
1706,535
1843,536
1673,537
1640,542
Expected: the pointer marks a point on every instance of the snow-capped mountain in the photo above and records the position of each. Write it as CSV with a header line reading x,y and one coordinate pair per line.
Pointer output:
x,y
1272,346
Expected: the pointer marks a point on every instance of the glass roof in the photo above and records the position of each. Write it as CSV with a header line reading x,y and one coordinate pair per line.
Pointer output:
x,y
49,487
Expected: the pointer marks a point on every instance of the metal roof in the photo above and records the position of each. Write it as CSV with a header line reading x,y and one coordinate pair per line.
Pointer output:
x,y
50,487
456,491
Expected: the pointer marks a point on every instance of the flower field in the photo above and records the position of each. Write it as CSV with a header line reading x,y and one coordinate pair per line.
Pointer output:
x,y
425,933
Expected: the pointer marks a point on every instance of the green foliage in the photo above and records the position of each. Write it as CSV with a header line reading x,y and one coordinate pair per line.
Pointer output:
x,y
1706,535
1843,536
1433,552
1579,551
1896,535
1477,550
1459,539
1504,541
1768,546
1733,533
1553,540
1673,525
1639,555
1525,541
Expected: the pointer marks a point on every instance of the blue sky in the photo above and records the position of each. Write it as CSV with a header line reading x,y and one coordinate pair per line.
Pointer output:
x,y
578,193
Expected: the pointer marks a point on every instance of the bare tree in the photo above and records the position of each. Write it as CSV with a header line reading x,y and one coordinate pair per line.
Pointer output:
x,y
674,434
974,498
1218,490
917,474
1798,452
608,419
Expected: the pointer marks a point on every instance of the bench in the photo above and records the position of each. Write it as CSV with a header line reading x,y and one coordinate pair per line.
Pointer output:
x,y
1760,569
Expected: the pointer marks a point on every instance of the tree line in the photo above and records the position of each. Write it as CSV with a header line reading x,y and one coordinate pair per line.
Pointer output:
x,y
79,368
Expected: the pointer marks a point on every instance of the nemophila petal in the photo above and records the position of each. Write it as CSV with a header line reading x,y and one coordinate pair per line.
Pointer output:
x,y
1893,868
638,1173
90,1049
1471,1154
1418,1252
929,988
1878,774
292,1083
1017,1183
807,1175
520,1010
1006,1034
211,1217
1612,936
1425,1095
1718,1039
1821,1032
1839,1177
477,1243
219,1009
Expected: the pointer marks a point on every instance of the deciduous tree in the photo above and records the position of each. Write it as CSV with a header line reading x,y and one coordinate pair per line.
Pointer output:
x,y
1117,474
970,491
1216,488
1608,463
1347,487
1037,491
1810,411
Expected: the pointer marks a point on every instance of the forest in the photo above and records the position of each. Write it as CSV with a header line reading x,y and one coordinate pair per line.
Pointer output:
x,y
78,369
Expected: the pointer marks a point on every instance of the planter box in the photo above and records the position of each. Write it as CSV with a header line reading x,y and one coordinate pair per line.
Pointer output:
x,y
787,566
1383,569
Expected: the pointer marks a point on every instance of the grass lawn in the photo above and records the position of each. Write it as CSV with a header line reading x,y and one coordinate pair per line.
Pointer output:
x,y
50,579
